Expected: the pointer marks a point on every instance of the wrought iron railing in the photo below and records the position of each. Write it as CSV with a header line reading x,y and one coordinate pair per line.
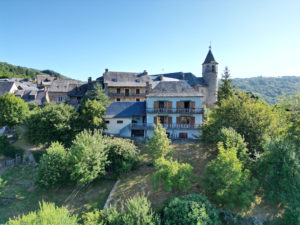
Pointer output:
x,y
142,126
176,110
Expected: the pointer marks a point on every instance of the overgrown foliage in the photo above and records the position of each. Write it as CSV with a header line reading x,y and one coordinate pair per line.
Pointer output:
x,y
96,93
225,89
227,183
291,216
13,110
123,155
88,157
9,150
252,118
172,174
279,172
52,123
54,168
190,209
46,215
2,186
158,146
135,211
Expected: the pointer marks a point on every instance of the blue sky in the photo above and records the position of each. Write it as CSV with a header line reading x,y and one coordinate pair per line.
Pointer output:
x,y
82,38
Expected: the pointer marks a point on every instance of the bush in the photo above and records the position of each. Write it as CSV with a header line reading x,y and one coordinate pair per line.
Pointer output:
x,y
279,173
54,168
291,216
226,183
122,155
47,214
135,211
38,155
191,209
7,149
172,174
2,186
88,157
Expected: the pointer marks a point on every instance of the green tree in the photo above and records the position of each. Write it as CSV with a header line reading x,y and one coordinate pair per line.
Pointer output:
x,y
279,172
193,209
225,89
48,214
172,174
54,168
89,157
123,155
159,145
2,186
227,183
91,115
252,118
13,110
97,93
291,216
52,123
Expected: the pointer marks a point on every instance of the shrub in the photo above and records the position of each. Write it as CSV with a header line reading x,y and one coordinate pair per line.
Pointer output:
x,y
279,172
191,209
226,183
136,210
172,174
54,168
291,216
88,157
159,145
47,214
122,155
2,186
38,155
7,149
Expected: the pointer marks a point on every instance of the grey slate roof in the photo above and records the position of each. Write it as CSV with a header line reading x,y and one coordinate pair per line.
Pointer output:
x,y
126,79
5,86
174,89
209,58
64,85
125,109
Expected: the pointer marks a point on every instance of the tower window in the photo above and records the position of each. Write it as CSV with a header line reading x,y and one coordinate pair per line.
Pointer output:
x,y
207,68
213,69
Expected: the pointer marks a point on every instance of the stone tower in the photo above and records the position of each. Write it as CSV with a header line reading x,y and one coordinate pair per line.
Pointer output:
x,y
210,77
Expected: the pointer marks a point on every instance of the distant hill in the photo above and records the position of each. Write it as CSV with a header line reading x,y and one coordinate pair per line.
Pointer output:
x,y
8,70
269,88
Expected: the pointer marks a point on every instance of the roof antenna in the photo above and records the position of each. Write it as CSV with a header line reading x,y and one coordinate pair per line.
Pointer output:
x,y
210,45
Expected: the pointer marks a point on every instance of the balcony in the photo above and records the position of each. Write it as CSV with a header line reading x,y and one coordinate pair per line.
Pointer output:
x,y
176,111
141,95
150,126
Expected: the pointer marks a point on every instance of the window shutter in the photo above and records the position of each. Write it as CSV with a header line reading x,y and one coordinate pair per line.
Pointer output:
x,y
155,120
193,105
178,105
170,106
156,105
193,120
178,119
169,120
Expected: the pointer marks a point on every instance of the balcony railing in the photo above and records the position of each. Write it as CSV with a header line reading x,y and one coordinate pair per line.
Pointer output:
x,y
175,110
143,126
126,95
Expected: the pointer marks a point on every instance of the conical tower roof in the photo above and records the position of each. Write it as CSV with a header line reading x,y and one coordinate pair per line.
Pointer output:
x,y
210,57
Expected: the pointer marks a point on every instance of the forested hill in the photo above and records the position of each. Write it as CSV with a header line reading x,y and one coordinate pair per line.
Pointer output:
x,y
8,70
269,88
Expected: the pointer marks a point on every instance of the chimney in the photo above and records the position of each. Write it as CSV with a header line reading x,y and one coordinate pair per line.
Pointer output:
x,y
145,72
182,75
90,80
161,77
106,70
148,87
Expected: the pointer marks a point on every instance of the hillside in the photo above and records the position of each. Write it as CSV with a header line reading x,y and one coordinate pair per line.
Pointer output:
x,y
8,70
269,88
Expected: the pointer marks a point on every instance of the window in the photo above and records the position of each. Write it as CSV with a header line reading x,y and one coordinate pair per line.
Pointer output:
x,y
60,99
107,121
161,104
119,121
183,135
137,99
213,68
118,100
137,91
126,92
118,91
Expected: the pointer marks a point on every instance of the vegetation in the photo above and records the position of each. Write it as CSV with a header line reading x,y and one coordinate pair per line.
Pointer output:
x,y
54,168
269,88
159,145
191,209
52,123
252,118
279,171
8,71
97,93
13,110
47,214
9,150
2,186
227,183
136,210
225,88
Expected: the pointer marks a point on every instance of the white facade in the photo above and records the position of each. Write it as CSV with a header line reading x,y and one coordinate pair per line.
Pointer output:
x,y
118,126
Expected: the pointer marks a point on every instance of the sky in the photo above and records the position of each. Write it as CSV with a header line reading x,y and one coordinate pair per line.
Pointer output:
x,y
80,38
